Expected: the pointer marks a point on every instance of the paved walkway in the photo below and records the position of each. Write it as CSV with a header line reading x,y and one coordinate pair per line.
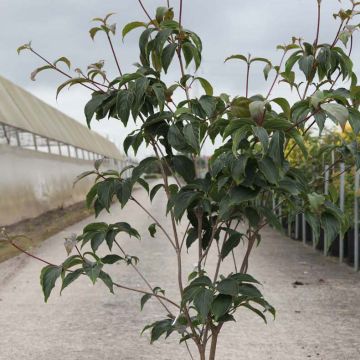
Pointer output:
x,y
318,320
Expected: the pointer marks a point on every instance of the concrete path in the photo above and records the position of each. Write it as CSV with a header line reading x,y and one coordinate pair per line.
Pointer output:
x,y
318,320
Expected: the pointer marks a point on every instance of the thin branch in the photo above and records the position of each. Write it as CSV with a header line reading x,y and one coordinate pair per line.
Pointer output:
x,y
188,349
114,54
154,219
184,237
277,75
145,11
247,79
180,13
315,45
31,255
143,278
115,284
59,70
146,293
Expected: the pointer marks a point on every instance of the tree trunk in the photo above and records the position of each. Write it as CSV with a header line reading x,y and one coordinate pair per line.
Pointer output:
x,y
202,352
214,339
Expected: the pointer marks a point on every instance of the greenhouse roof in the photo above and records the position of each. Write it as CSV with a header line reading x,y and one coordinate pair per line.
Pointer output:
x,y
20,109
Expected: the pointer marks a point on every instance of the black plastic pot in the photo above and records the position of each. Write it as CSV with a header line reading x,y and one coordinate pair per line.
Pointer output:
x,y
309,234
300,227
320,244
350,246
334,248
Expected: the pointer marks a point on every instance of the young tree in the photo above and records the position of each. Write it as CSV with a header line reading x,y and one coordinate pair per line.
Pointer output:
x,y
246,171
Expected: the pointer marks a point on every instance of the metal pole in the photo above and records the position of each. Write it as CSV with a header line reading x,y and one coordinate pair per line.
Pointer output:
x,y
303,228
297,226
17,138
356,222
5,134
35,143
59,146
68,150
342,206
326,192
48,145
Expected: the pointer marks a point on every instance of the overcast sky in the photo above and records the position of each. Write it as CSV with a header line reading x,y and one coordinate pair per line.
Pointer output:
x,y
227,27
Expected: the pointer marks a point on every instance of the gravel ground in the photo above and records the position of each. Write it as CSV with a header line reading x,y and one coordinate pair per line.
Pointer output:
x,y
317,320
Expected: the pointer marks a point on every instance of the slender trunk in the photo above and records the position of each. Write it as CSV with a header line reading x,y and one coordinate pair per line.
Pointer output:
x,y
214,339
202,352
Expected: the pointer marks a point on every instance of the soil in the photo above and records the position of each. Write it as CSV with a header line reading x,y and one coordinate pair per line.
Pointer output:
x,y
42,227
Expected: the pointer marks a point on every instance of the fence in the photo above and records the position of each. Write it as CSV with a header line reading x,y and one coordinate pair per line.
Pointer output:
x,y
345,247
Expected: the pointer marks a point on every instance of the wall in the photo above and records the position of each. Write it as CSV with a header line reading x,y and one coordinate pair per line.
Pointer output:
x,y
32,182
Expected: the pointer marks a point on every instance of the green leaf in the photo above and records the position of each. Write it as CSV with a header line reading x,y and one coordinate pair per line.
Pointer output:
x,y
284,104
262,135
24,47
221,305
124,101
338,113
105,192
160,328
241,194
269,170
131,26
354,120
192,136
237,57
255,310
154,190
111,259
152,229
49,275
276,148
167,55
267,70
107,280
92,270
290,62
316,201
182,201
160,95
143,167
185,167
231,243
202,302
63,59
70,83
177,140
238,167
314,223
331,226
306,65
69,278
36,71
244,278
228,287
144,300
208,103
257,109
206,86
92,106
299,139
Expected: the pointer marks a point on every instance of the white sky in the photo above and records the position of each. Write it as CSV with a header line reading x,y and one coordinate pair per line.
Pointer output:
x,y
226,27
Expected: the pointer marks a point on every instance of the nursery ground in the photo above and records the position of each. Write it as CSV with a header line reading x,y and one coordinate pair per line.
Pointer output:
x,y
317,320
